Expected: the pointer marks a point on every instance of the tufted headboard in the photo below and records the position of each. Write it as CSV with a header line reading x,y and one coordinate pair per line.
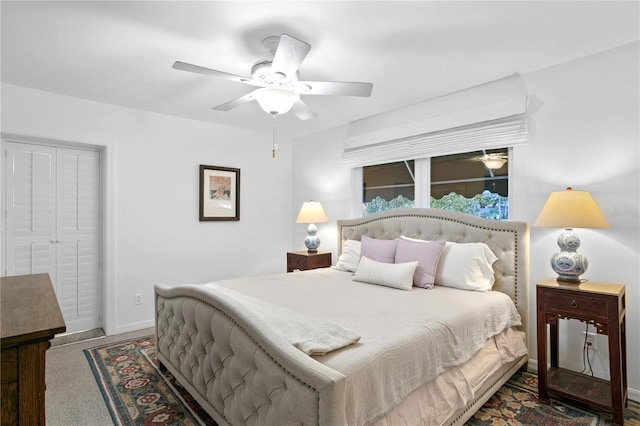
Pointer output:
x,y
509,241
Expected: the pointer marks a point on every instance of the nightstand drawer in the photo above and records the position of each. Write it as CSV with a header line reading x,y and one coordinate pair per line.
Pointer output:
x,y
575,304
297,262
304,260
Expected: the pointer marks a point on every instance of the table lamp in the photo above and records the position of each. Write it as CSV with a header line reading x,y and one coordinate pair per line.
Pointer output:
x,y
312,212
570,209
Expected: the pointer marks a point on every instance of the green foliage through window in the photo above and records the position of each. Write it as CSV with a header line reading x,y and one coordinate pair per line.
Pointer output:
x,y
487,205
379,204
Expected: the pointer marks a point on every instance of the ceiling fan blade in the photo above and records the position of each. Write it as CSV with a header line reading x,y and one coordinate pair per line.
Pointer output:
x,y
339,88
245,99
289,55
303,111
183,66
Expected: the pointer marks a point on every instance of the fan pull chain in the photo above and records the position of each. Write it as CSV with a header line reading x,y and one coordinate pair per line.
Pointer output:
x,y
275,135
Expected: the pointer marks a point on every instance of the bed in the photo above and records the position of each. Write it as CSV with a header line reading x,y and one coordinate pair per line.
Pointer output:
x,y
224,341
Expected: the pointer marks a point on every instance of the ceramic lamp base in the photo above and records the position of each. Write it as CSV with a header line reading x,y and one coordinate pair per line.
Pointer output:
x,y
568,263
312,241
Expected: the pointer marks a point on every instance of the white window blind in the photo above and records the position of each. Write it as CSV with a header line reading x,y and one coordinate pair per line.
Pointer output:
x,y
491,115
500,133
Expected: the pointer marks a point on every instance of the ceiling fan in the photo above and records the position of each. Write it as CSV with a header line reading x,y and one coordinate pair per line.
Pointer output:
x,y
277,80
493,161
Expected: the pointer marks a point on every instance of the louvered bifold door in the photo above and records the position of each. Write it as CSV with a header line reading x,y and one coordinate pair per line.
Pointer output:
x,y
31,210
77,231
52,224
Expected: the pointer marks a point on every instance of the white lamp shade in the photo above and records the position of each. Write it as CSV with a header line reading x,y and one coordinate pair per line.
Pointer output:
x,y
274,100
571,209
311,212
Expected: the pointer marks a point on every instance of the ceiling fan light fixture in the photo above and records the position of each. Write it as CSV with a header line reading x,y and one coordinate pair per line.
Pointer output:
x,y
278,80
275,101
262,72
493,162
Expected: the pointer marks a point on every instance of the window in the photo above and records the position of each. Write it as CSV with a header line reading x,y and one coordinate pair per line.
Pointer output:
x,y
388,186
489,117
463,183
459,182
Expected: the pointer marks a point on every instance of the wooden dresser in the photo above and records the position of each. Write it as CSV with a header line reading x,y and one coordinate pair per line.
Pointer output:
x,y
30,317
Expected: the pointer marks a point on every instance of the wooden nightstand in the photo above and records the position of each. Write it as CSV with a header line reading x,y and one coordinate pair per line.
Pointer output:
x,y
304,260
601,305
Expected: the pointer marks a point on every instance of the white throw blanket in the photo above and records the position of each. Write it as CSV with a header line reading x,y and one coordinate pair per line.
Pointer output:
x,y
311,335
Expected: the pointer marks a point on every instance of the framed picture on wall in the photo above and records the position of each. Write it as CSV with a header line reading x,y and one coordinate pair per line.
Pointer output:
x,y
219,193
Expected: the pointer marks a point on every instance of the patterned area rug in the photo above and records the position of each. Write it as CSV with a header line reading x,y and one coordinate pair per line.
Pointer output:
x,y
137,394
516,403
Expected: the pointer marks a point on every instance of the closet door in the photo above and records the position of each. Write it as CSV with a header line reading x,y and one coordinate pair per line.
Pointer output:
x,y
77,243
30,210
52,224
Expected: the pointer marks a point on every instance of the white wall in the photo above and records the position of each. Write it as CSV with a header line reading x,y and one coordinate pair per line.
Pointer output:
x,y
319,176
154,233
585,134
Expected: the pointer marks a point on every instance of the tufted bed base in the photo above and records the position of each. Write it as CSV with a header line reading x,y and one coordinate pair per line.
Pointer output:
x,y
240,372
243,373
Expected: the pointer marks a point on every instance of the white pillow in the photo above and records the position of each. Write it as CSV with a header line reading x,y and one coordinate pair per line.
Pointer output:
x,y
396,275
466,266
350,256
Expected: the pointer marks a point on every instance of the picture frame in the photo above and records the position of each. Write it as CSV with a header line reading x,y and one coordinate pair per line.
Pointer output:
x,y
219,193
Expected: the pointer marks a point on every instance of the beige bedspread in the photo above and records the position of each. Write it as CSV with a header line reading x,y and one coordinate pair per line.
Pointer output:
x,y
311,335
407,337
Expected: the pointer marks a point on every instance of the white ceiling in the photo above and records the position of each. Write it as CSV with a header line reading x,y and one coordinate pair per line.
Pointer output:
x,y
121,52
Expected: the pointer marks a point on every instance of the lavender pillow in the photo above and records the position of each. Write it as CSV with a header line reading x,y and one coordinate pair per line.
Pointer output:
x,y
426,253
383,251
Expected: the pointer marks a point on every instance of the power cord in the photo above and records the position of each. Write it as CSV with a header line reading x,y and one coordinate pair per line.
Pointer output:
x,y
585,352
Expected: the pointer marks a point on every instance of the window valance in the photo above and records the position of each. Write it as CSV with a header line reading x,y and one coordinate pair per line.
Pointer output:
x,y
492,115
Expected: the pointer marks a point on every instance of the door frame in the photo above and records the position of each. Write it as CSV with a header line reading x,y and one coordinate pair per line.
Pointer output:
x,y
108,187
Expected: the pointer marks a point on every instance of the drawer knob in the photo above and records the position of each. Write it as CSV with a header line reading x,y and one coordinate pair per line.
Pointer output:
x,y
574,303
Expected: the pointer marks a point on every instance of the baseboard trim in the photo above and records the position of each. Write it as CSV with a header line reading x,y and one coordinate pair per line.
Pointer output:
x,y
78,336
133,327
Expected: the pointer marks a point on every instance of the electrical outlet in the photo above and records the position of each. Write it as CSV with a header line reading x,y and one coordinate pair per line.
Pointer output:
x,y
137,300
590,339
